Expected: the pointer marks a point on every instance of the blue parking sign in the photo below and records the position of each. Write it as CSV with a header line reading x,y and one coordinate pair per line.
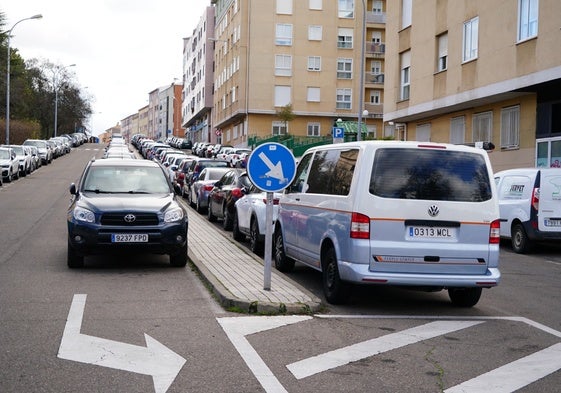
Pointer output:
x,y
338,132
271,167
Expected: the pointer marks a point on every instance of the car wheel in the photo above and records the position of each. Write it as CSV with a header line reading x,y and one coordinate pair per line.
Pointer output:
x,y
211,217
254,242
334,289
73,259
23,173
198,206
16,175
9,178
464,297
227,222
238,236
179,259
282,262
519,239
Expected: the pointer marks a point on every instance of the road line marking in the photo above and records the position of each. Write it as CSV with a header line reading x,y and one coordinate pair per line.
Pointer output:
x,y
342,356
515,375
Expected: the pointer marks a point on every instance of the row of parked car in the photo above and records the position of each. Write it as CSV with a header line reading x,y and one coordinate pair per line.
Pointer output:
x,y
21,160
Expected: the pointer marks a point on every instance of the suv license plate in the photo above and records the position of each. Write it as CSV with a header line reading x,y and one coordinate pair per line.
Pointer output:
x,y
553,223
129,238
431,233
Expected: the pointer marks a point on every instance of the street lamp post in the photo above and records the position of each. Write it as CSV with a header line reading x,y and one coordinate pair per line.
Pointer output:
x,y
362,60
55,85
38,16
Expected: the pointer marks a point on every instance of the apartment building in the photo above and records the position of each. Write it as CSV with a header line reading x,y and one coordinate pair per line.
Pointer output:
x,y
308,56
468,71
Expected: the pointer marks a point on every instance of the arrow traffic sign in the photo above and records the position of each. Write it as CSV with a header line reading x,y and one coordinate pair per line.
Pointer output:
x,y
156,360
271,167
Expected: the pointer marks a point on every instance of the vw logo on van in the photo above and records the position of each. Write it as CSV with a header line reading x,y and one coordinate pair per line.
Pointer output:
x,y
130,218
433,211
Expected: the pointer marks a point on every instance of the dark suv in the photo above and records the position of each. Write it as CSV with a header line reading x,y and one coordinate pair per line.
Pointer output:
x,y
125,205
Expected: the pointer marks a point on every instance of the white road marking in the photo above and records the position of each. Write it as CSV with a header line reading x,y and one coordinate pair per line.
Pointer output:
x,y
515,375
340,357
155,359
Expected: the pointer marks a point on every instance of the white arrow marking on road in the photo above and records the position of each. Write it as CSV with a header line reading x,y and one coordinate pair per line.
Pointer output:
x,y
340,357
155,359
275,171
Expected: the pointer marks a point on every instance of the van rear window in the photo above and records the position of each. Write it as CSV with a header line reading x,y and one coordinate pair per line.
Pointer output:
x,y
442,175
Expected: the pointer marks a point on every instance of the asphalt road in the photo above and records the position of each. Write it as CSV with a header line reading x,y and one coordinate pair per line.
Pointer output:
x,y
384,340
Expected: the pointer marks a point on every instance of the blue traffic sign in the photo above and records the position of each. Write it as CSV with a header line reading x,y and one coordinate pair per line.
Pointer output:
x,y
338,132
271,167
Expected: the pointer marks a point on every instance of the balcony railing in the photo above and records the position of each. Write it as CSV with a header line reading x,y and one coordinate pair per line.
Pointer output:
x,y
373,79
376,17
375,49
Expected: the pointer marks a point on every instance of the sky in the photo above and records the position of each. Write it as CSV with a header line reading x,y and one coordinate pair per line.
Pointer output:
x,y
123,49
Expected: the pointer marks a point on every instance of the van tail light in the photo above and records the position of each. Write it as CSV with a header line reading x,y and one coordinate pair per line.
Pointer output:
x,y
494,232
237,193
360,226
536,198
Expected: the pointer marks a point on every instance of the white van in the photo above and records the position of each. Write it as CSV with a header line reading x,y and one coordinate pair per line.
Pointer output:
x,y
530,206
415,214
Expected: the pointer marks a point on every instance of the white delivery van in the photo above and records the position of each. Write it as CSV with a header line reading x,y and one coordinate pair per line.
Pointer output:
x,y
413,214
530,206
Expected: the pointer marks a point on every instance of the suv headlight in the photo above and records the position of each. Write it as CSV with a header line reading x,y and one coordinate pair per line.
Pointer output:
x,y
172,215
81,214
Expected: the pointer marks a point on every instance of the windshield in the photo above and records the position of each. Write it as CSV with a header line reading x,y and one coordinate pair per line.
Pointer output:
x,y
5,154
122,179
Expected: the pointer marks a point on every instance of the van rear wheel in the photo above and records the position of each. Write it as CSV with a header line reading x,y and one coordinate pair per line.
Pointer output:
x,y
334,289
519,239
464,297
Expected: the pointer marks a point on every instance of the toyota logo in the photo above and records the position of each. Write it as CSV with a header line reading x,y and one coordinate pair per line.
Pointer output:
x,y
130,218
433,211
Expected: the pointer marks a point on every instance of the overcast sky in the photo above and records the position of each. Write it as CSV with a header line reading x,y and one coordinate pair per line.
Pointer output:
x,y
123,49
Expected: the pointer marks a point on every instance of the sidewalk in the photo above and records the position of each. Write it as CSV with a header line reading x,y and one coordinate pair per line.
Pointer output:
x,y
236,276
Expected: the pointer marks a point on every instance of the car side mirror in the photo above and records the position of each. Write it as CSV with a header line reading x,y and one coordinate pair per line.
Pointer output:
x,y
73,190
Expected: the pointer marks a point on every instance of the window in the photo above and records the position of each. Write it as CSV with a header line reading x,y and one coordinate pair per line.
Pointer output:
x,y
313,94
346,8
283,65
314,129
345,38
315,4
527,19
279,128
283,34
343,100
344,68
442,62
458,130
406,13
405,58
510,127
482,127
471,32
284,7
375,97
332,172
423,132
315,33
376,67
282,95
377,7
314,63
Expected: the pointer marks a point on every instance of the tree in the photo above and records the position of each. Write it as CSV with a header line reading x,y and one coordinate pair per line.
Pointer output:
x,y
286,114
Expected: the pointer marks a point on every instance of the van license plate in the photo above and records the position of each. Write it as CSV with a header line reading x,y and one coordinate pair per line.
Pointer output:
x,y
432,233
553,223
129,238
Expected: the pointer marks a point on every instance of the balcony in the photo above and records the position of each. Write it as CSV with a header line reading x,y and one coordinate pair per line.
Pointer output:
x,y
377,50
376,17
371,78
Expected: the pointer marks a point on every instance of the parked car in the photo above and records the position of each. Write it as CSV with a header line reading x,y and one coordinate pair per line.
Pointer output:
x,y
180,175
200,189
45,151
224,194
197,165
10,164
250,216
24,157
416,214
530,206
126,206
35,157
235,156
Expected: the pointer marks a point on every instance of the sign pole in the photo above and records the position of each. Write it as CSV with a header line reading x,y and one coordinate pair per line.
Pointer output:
x,y
268,241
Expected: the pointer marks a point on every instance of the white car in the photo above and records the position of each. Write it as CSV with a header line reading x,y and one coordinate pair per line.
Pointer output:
x,y
24,157
9,164
249,220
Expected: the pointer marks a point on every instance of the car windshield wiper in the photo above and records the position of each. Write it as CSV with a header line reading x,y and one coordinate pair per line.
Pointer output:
x,y
98,191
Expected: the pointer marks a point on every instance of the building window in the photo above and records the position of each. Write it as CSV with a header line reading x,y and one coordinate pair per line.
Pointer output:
x,y
313,94
405,82
344,68
283,35
375,97
458,130
314,63
314,129
345,38
471,32
279,128
284,7
406,13
442,62
315,33
282,95
376,67
283,65
346,8
482,127
527,19
343,100
423,132
315,4
377,7
510,127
